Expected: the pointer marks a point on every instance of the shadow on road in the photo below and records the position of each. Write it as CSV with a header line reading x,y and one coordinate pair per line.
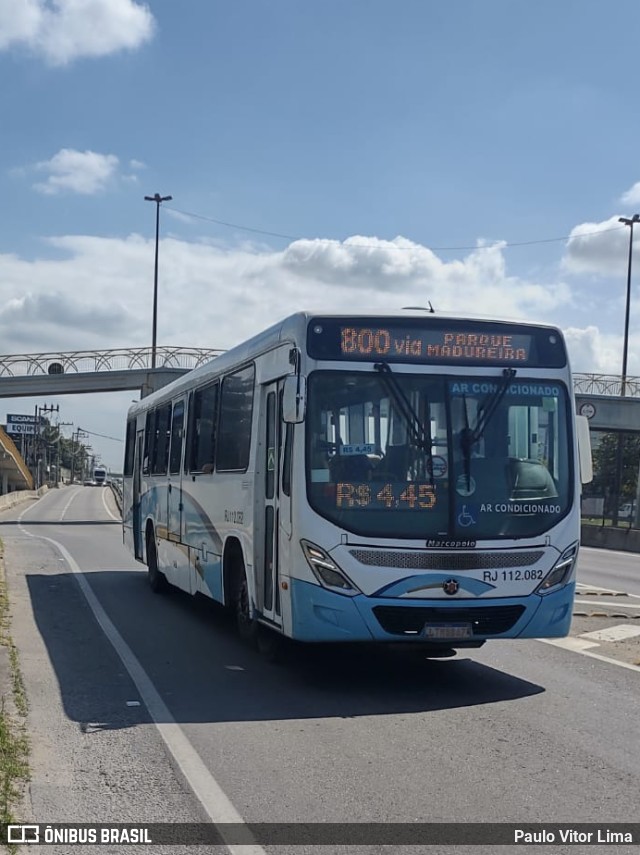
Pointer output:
x,y
204,673
28,523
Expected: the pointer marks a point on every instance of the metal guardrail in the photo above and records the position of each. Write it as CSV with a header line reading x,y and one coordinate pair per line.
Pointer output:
x,y
116,489
81,361
605,384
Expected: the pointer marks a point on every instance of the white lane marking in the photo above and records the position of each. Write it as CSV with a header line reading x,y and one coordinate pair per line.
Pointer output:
x,y
66,507
106,507
565,643
572,643
607,605
596,588
587,587
620,632
205,787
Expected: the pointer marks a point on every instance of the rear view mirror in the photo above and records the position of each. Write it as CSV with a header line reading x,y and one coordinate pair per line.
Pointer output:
x,y
584,449
294,399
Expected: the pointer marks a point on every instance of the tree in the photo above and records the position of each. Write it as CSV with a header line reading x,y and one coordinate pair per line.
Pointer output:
x,y
605,458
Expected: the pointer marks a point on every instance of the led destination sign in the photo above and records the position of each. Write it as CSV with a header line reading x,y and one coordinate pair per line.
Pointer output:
x,y
482,347
435,341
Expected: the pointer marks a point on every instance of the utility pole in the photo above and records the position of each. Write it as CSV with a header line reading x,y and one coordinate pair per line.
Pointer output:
x,y
39,412
61,425
75,440
158,199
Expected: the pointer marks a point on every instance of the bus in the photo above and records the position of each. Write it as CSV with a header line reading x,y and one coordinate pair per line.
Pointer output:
x,y
402,479
99,476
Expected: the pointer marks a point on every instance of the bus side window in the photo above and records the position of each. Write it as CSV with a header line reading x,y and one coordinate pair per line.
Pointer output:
x,y
160,456
236,409
130,448
149,436
177,423
201,437
286,460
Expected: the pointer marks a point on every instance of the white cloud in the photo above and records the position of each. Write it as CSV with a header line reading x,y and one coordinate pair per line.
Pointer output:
x,y
598,248
97,293
211,296
632,195
594,352
478,283
19,21
84,172
64,30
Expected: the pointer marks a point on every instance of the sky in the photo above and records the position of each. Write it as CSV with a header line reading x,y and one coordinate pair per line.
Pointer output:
x,y
324,154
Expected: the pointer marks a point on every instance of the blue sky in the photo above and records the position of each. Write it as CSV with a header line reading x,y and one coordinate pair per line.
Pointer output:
x,y
378,131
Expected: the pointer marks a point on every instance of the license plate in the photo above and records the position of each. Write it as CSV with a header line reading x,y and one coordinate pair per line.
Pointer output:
x,y
447,631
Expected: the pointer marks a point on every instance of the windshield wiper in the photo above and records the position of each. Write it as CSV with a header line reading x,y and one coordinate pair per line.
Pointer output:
x,y
420,433
470,436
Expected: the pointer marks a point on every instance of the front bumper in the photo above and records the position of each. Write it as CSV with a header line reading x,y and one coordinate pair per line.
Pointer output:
x,y
321,615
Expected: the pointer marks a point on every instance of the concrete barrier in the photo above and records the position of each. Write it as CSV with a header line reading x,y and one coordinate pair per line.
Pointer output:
x,y
19,496
607,537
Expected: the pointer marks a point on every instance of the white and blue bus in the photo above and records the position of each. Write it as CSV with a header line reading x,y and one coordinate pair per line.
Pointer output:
x,y
100,476
393,478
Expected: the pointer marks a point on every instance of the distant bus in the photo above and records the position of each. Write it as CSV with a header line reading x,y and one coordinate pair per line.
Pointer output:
x,y
99,476
378,478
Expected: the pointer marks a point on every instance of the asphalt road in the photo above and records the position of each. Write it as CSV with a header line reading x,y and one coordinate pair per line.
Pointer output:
x,y
132,716
608,569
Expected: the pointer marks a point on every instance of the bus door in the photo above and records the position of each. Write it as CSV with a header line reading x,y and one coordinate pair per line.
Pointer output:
x,y
268,495
135,497
174,489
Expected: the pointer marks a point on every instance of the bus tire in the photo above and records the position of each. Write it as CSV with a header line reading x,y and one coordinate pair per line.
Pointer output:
x,y
157,580
246,624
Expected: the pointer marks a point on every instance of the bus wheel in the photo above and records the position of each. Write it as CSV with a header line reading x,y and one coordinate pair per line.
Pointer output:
x,y
247,626
157,580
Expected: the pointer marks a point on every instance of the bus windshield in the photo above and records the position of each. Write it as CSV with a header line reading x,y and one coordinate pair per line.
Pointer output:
x,y
438,468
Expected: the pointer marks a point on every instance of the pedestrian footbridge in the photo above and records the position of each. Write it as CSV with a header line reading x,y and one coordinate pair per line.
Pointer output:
x,y
83,372
598,396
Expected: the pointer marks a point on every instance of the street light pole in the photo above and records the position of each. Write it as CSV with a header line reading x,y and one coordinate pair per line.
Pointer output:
x,y
158,199
628,221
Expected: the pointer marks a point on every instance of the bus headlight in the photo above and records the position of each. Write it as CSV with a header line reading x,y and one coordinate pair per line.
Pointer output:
x,y
560,572
326,570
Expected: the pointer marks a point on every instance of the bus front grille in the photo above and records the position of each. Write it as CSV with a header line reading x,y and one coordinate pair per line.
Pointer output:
x,y
484,620
421,560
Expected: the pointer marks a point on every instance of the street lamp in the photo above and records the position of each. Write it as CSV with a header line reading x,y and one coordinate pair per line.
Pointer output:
x,y
628,221
158,199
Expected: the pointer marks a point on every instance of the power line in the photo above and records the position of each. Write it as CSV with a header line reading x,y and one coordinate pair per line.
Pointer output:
x,y
405,248
233,225
102,435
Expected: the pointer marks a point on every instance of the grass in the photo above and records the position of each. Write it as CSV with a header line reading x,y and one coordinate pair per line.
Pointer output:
x,y
14,742
604,522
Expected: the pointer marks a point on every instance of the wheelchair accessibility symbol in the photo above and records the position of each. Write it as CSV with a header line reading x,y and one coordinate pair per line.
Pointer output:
x,y
465,519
